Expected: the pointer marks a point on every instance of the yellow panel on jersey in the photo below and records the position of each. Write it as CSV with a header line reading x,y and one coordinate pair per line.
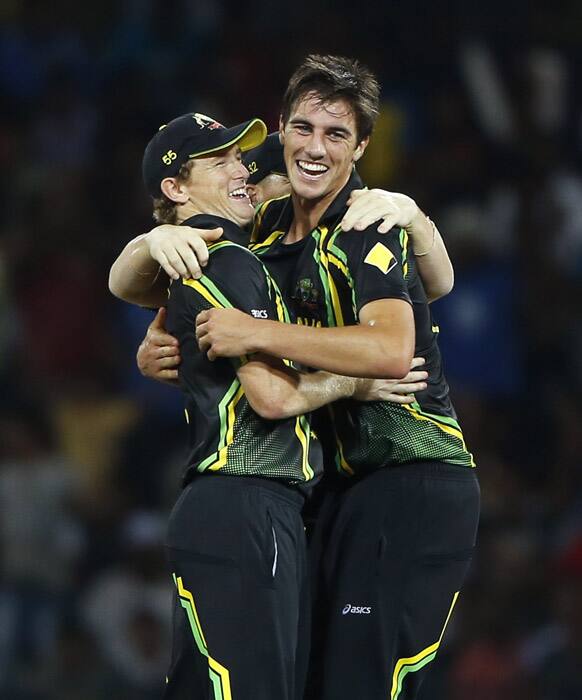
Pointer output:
x,y
381,257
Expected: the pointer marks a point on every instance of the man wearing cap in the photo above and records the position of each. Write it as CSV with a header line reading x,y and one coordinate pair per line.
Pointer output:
x,y
235,538
396,539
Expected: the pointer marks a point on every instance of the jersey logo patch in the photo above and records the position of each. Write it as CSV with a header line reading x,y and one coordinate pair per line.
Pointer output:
x,y
259,313
381,258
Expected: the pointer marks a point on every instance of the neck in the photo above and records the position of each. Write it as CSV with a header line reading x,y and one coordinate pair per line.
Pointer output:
x,y
185,212
307,213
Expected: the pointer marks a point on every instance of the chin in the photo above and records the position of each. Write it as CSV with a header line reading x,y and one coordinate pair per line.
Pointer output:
x,y
308,190
242,219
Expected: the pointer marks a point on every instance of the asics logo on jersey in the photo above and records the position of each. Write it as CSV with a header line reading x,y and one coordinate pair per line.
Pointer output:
x,y
259,313
356,609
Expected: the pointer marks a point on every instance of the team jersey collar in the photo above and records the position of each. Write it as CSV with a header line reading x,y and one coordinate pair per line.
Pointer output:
x,y
231,231
339,205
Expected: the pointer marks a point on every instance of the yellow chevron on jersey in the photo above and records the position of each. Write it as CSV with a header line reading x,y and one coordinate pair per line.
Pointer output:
x,y
381,257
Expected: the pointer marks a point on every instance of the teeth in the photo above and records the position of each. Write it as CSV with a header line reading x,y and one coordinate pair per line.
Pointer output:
x,y
312,167
240,192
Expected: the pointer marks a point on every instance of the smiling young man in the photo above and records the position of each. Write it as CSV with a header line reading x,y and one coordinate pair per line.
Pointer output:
x,y
394,456
235,542
394,541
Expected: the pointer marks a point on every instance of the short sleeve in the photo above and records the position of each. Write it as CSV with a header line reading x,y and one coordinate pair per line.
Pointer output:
x,y
233,278
378,264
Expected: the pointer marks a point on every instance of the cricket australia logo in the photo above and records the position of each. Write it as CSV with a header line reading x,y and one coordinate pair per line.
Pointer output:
x,y
306,294
205,122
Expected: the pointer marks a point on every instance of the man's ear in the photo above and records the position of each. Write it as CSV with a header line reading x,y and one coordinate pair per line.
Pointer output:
x,y
281,131
174,190
360,148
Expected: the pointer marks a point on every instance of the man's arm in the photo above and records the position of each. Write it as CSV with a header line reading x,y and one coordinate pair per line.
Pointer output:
x,y
158,358
275,391
381,346
395,209
141,273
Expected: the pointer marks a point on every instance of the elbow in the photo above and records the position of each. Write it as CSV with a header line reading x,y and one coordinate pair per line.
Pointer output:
x,y
115,286
393,365
440,291
442,288
271,407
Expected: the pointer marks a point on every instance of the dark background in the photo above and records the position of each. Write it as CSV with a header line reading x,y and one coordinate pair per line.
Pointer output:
x,y
481,123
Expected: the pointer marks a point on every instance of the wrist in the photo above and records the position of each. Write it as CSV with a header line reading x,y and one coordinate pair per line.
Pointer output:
x,y
259,336
420,227
424,236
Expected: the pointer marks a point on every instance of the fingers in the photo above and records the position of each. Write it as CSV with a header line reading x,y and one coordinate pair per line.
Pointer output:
x,y
388,223
354,195
364,213
401,399
417,362
202,317
168,374
414,377
164,363
162,259
175,257
159,321
211,235
199,251
204,344
409,388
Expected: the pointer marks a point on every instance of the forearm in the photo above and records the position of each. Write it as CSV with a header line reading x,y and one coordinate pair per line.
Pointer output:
x,y
356,351
434,265
316,389
136,277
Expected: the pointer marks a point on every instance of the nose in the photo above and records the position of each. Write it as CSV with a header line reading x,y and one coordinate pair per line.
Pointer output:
x,y
315,147
242,170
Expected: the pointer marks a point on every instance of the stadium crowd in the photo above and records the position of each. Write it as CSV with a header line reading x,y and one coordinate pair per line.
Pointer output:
x,y
481,124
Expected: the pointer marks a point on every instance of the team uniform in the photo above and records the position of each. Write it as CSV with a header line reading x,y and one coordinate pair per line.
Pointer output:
x,y
394,538
235,538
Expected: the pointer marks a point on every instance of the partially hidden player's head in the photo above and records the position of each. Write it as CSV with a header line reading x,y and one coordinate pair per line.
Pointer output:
x,y
267,172
329,110
193,165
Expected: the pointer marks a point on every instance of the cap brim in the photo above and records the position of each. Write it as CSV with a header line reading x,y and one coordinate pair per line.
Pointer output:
x,y
248,135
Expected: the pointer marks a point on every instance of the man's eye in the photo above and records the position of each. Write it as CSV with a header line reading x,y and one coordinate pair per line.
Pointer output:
x,y
220,163
302,128
337,135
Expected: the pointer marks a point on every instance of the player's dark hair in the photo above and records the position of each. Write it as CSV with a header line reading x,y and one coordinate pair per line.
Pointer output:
x,y
166,211
331,78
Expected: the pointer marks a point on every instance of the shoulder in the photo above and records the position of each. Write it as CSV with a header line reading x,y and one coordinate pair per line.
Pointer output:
x,y
267,216
380,250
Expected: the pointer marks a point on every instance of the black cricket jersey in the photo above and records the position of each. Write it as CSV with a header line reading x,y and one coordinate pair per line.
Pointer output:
x,y
326,279
226,435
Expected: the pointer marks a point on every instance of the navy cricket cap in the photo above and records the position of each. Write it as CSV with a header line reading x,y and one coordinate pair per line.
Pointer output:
x,y
265,159
191,136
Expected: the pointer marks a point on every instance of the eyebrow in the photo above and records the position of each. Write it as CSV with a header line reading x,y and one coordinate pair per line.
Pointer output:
x,y
302,120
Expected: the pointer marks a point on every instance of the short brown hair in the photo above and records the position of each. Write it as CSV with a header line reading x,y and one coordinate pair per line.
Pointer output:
x,y
332,78
165,211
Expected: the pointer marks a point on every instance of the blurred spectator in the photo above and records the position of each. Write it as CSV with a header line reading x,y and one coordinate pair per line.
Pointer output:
x,y
40,540
128,607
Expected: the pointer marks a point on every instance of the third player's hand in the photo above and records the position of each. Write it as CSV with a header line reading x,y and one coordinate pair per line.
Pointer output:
x,y
389,208
158,355
400,391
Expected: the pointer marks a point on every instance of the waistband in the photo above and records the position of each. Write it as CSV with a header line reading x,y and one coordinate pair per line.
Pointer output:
x,y
289,494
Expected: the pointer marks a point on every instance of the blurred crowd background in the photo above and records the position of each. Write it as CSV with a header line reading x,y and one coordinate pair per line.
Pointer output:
x,y
481,123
